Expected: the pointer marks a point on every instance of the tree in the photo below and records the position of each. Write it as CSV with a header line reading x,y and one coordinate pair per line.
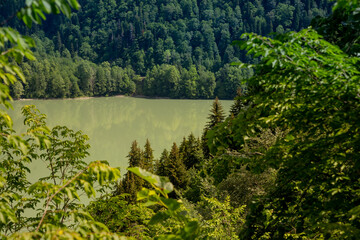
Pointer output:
x,y
177,169
85,73
17,90
190,151
17,195
229,79
100,82
238,104
307,88
162,164
216,115
57,86
346,36
131,183
148,157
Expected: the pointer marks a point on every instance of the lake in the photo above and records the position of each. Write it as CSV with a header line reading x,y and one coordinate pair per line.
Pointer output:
x,y
112,123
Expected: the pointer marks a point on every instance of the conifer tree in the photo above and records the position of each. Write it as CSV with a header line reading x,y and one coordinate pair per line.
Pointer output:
x,y
131,183
134,155
178,174
216,115
191,151
238,104
162,168
183,145
148,157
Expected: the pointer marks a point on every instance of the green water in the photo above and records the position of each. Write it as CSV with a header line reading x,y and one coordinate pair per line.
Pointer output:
x,y
113,123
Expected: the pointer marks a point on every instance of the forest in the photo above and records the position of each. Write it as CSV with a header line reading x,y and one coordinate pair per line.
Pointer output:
x,y
283,164
144,36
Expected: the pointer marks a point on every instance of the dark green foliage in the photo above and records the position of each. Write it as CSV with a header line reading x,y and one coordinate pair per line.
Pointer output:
x,y
131,183
238,104
191,151
177,222
60,77
177,169
229,79
243,186
308,89
145,35
162,164
171,165
216,115
346,36
17,90
148,157
301,119
122,217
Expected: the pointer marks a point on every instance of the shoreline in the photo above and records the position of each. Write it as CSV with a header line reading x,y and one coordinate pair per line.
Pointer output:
x,y
76,98
116,96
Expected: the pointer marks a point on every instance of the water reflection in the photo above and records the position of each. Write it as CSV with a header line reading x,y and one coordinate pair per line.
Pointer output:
x,y
113,123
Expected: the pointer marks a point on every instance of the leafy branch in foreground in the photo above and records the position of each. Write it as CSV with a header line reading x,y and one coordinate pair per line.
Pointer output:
x,y
308,89
59,192
189,229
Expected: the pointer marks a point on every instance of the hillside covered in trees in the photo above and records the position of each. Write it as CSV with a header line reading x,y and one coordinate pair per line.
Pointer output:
x,y
182,45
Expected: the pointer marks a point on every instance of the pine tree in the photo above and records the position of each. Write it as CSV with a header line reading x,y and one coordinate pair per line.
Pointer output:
x,y
216,114
178,174
148,157
162,168
131,183
191,151
238,103
134,155
59,44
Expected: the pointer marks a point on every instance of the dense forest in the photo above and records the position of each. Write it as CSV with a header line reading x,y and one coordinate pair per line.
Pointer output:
x,y
282,164
146,37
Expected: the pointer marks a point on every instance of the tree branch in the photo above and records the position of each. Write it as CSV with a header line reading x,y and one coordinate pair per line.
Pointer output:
x,y
52,196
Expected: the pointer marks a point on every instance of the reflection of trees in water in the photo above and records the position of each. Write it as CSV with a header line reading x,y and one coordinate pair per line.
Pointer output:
x,y
113,123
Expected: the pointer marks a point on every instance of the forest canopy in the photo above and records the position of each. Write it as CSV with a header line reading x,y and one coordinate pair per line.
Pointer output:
x,y
194,36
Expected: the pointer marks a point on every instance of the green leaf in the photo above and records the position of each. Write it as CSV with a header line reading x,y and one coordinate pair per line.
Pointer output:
x,y
74,4
172,204
159,217
162,183
46,7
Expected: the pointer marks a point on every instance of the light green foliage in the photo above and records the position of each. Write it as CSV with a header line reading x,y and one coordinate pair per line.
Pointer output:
x,y
61,149
224,221
188,229
162,81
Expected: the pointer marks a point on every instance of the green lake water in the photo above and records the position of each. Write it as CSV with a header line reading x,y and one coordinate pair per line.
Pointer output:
x,y
112,123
